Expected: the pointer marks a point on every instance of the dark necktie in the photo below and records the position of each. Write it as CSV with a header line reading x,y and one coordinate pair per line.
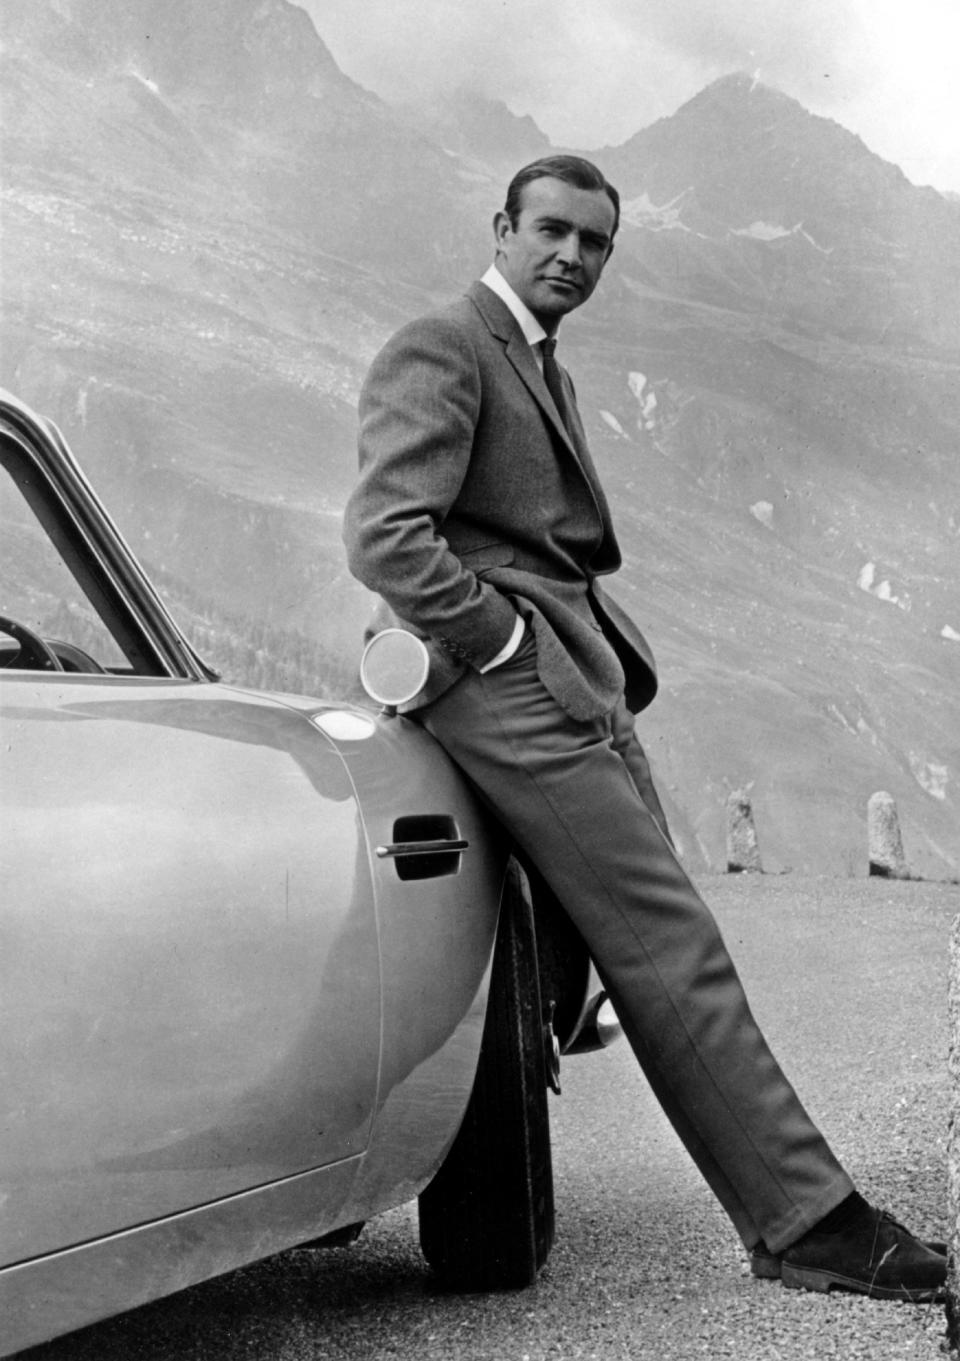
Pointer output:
x,y
551,376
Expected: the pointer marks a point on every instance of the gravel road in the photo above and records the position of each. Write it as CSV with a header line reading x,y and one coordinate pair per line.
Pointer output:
x,y
848,977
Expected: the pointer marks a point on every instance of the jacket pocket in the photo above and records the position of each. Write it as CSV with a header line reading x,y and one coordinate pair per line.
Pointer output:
x,y
486,556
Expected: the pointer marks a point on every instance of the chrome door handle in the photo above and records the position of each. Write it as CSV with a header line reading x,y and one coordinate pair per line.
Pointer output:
x,y
401,848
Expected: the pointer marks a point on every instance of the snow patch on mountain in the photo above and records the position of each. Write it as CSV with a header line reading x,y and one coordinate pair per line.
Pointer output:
x,y
930,775
763,231
882,590
657,217
81,408
646,398
614,424
771,231
836,713
856,724
151,85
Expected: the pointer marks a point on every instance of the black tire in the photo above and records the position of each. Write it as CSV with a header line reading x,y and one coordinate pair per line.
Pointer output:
x,y
487,1219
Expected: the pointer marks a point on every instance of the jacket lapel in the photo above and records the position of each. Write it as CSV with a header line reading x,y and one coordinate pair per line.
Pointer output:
x,y
501,323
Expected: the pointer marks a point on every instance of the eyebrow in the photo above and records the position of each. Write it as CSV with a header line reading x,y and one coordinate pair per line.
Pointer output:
x,y
601,238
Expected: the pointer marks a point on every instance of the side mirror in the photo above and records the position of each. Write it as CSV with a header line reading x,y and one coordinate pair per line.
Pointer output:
x,y
394,667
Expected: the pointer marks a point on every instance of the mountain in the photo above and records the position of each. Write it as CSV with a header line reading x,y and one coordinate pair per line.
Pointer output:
x,y
208,230
778,210
215,52
224,108
480,131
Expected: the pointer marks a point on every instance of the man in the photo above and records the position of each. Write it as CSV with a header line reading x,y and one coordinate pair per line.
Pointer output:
x,y
480,521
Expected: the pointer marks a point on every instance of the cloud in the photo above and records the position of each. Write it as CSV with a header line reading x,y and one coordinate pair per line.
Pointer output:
x,y
608,53
593,74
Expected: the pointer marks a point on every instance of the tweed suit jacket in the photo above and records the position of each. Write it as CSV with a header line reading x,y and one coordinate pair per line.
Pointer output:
x,y
474,504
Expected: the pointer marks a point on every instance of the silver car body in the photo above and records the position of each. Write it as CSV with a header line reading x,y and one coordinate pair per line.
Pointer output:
x,y
227,1023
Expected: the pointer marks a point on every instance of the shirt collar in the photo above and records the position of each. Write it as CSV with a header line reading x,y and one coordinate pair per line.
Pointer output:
x,y
533,332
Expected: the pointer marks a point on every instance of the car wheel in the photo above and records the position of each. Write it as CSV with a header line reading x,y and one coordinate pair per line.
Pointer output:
x,y
486,1219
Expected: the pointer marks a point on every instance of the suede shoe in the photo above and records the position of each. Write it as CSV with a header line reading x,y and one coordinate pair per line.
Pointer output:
x,y
875,1256
767,1265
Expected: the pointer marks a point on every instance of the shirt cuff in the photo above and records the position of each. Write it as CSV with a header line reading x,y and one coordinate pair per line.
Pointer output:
x,y
507,652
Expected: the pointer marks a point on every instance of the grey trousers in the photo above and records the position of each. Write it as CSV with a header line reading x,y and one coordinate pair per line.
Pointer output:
x,y
578,800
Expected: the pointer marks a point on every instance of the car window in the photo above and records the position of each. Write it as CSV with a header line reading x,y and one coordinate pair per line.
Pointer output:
x,y
39,591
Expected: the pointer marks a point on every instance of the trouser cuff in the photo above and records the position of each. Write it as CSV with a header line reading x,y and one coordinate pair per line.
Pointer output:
x,y
802,1218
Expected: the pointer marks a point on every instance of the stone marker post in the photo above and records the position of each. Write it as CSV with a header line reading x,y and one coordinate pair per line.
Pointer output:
x,y
953,1142
885,847
743,853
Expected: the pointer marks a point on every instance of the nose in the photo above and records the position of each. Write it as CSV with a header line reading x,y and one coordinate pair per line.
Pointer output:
x,y
569,250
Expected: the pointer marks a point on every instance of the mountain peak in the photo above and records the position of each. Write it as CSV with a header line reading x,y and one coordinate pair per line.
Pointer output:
x,y
740,84
223,49
473,125
742,96
745,147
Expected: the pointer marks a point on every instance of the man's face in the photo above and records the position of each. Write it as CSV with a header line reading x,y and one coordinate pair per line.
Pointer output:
x,y
555,255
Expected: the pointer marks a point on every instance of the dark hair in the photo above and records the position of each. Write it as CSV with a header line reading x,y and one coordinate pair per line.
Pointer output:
x,y
571,169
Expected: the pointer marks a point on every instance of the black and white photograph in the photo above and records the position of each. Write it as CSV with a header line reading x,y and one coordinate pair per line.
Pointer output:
x,y
479,680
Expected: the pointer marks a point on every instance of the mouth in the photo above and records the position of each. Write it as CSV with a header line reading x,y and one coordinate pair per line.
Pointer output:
x,y
567,285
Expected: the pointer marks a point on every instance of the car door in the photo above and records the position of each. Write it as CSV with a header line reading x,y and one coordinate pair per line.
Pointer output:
x,y
189,980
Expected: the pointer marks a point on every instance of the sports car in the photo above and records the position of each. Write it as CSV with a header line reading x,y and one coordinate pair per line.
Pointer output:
x,y
267,968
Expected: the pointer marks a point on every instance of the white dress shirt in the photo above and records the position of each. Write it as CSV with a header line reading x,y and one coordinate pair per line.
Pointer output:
x,y
533,332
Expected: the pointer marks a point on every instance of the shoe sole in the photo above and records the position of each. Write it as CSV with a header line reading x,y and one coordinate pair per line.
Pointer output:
x,y
808,1278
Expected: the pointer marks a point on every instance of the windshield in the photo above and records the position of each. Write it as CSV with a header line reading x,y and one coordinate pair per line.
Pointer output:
x,y
39,590
60,608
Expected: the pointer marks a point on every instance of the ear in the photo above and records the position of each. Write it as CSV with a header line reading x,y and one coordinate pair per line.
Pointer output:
x,y
501,227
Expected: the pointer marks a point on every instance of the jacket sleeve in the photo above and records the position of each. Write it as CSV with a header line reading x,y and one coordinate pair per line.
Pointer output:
x,y
418,413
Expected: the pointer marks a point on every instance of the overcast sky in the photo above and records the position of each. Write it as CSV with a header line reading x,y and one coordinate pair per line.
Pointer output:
x,y
593,72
